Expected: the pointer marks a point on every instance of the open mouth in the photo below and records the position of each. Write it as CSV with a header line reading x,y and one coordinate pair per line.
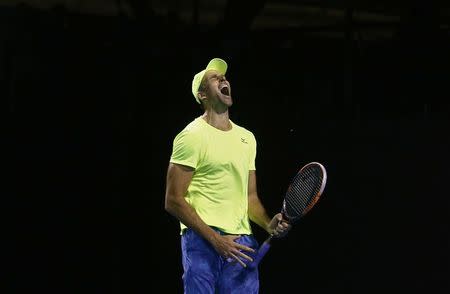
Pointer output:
x,y
225,91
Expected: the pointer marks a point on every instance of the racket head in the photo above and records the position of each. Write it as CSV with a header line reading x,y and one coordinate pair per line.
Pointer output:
x,y
304,191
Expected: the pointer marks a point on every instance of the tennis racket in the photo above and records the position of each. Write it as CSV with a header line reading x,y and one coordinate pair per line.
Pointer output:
x,y
302,194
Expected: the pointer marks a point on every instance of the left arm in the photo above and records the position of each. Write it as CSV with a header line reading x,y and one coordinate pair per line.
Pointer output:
x,y
258,214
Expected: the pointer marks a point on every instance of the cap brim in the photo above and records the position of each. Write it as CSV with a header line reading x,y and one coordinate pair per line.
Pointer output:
x,y
217,64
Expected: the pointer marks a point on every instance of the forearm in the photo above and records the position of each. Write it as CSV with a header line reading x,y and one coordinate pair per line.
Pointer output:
x,y
184,212
257,213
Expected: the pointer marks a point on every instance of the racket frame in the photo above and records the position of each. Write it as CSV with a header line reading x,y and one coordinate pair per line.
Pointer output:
x,y
316,198
267,243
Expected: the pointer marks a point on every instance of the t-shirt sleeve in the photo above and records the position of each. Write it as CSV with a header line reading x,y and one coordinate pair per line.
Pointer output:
x,y
252,165
186,149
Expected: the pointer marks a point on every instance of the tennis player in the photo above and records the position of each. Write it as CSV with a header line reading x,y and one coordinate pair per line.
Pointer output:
x,y
211,190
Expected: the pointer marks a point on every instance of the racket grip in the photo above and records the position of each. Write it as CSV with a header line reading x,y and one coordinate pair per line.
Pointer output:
x,y
261,253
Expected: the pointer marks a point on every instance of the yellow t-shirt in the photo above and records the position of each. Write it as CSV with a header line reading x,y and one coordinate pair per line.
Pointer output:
x,y
222,160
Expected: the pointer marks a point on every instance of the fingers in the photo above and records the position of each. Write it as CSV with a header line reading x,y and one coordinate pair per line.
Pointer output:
x,y
239,246
243,255
277,224
283,226
279,217
235,253
245,248
282,229
238,259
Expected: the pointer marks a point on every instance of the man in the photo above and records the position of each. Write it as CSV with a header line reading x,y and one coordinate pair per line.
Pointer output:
x,y
211,190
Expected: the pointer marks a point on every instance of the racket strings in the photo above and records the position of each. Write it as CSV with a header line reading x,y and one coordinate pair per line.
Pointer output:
x,y
304,187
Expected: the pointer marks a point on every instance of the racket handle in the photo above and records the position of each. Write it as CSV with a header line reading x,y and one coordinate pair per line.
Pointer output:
x,y
261,252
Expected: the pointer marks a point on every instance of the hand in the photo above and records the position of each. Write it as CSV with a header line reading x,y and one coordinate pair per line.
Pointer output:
x,y
278,227
228,248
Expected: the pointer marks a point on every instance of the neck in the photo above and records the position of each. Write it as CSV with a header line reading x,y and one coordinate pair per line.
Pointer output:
x,y
220,121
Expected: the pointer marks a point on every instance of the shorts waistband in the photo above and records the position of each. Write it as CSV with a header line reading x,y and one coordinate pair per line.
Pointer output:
x,y
214,228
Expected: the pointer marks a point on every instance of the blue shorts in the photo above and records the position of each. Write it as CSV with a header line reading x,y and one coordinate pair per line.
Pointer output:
x,y
205,271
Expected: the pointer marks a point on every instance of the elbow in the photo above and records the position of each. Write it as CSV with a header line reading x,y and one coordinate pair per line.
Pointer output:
x,y
167,205
174,203
170,205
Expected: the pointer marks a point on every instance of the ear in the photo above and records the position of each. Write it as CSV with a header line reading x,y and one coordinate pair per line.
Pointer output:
x,y
201,95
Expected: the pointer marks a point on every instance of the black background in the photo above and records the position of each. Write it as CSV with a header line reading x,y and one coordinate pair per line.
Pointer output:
x,y
95,101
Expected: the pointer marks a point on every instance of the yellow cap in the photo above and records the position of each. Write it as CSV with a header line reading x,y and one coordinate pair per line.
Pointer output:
x,y
215,64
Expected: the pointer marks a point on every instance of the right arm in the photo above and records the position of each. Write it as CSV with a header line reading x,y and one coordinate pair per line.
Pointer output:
x,y
177,183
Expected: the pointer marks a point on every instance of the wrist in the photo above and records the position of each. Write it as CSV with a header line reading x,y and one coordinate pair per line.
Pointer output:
x,y
212,237
268,228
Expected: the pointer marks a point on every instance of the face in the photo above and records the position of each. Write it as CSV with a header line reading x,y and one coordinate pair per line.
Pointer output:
x,y
217,89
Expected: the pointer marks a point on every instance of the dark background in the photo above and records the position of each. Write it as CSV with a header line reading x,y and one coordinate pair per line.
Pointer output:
x,y
94,96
